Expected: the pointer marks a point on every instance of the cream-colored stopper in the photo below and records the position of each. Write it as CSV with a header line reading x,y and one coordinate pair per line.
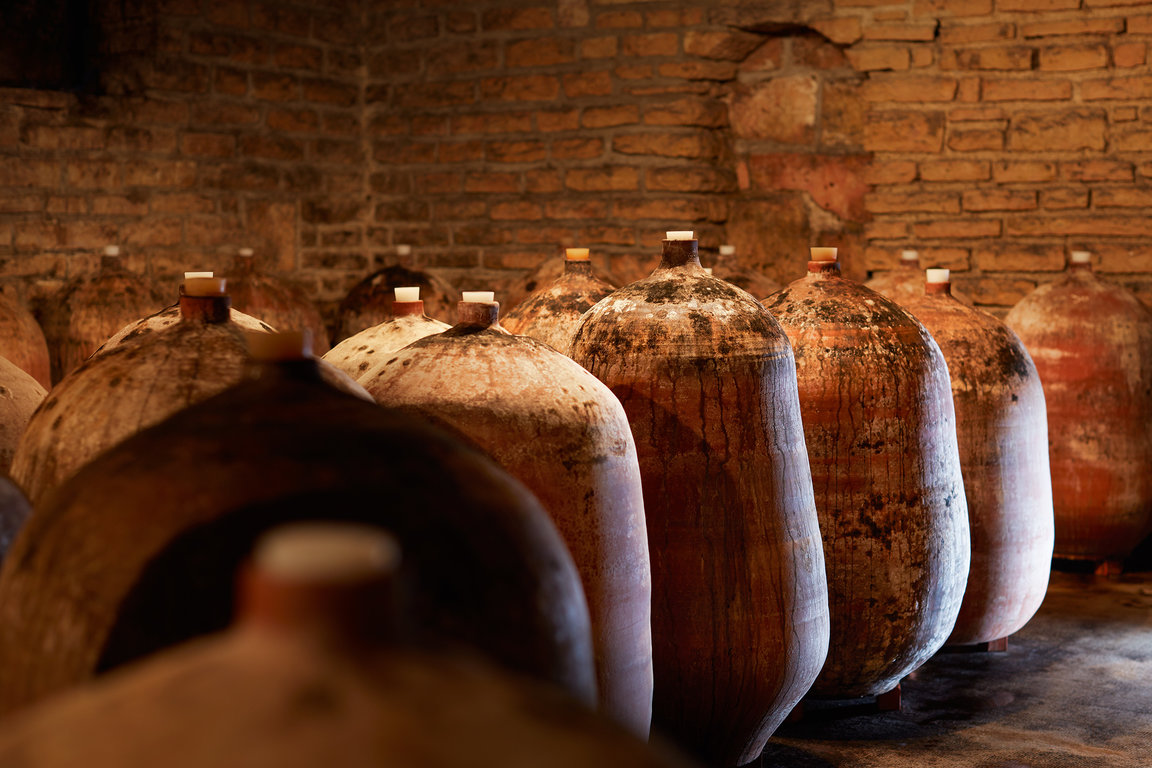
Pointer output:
x,y
203,287
822,253
936,275
1081,257
403,249
909,256
245,252
576,254
280,346
727,250
479,297
707,270
682,235
193,275
111,250
408,293
326,552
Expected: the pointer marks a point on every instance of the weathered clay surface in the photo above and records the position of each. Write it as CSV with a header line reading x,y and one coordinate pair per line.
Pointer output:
x,y
14,511
166,318
365,350
1092,345
126,388
881,435
546,272
550,314
739,611
20,396
22,341
905,283
562,433
275,302
155,528
729,269
369,302
1002,431
91,309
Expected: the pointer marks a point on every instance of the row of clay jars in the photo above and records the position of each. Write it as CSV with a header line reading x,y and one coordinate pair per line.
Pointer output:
x,y
1002,431
369,303
557,429
739,602
318,616
880,431
550,314
364,350
154,527
1092,345
906,282
274,301
22,341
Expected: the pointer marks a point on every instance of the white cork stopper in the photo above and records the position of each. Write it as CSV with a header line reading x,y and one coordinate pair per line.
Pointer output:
x,y
479,297
203,287
111,250
576,254
936,275
326,552
194,275
727,250
909,256
708,270
403,249
245,252
280,346
408,293
822,253
683,235
1081,257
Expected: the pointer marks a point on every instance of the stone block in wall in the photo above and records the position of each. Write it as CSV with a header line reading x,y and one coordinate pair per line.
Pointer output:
x,y
843,115
772,233
1058,130
724,44
835,183
782,109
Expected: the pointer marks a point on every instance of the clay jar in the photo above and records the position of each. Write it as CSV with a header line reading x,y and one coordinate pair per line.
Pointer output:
x,y
1002,431
562,433
155,527
277,302
546,272
22,341
20,396
356,354
14,510
550,314
132,386
316,671
739,604
369,303
92,308
906,282
881,435
1092,345
726,267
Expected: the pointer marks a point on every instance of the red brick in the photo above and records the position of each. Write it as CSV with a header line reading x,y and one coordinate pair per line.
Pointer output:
x,y
414,27
701,179
94,174
1121,197
517,19
516,151
769,57
542,181
153,231
63,137
816,52
608,117
675,209
459,59
539,52
1131,138
782,109
1016,257
890,172
975,139
833,182
558,120
1063,199
298,57
725,45
119,205
1073,58
1126,55
885,201
1006,172
962,34
843,114
1026,89
226,13
182,202
691,111
461,151
956,229
698,70
633,71
1080,26
842,30
1124,114
576,209
952,8
877,58
909,88
1067,129
1097,170
88,235
968,90
607,179
651,44
275,87
1037,5
277,17
1111,3
699,144
1140,25
423,95
573,13
1000,58
405,152
1095,225
588,84
913,32
520,210
923,56
292,120
577,149
521,88
160,173
64,204
599,47
229,81
608,236
37,235
975,114
208,144
998,200
329,92
619,20
492,182
343,123
456,209
885,229
955,170
900,131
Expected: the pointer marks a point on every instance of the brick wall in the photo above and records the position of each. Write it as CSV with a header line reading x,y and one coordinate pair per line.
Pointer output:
x,y
992,135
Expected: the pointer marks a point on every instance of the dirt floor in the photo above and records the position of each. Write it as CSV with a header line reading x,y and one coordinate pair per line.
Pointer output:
x,y
1073,690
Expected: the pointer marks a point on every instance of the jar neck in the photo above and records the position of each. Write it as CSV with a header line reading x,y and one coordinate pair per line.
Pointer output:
x,y
482,313
577,267
938,289
212,310
824,267
405,308
678,253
